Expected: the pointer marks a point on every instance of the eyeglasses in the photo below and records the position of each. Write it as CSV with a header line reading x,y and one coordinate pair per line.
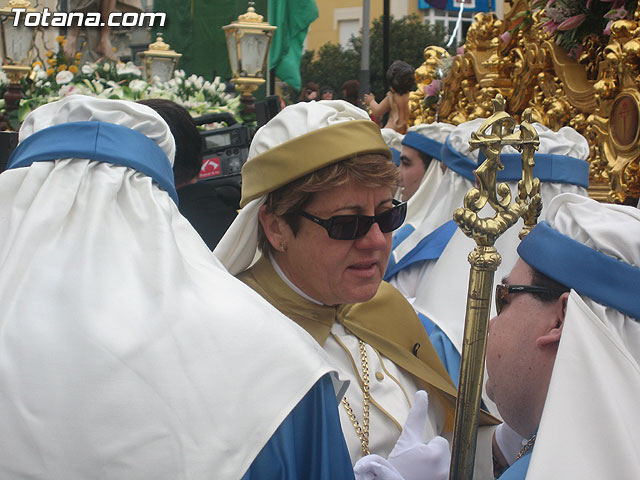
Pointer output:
x,y
503,290
352,227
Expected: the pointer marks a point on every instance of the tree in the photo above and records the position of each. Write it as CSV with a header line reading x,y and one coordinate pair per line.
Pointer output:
x,y
333,64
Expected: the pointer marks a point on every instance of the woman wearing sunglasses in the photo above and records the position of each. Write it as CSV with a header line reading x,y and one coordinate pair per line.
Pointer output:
x,y
317,198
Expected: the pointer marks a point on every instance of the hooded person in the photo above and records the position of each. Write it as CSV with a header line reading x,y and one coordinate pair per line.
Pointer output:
x,y
561,166
127,350
563,354
393,140
412,245
318,212
441,302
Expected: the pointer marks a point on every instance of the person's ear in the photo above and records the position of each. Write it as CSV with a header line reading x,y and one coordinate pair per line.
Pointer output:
x,y
554,332
274,227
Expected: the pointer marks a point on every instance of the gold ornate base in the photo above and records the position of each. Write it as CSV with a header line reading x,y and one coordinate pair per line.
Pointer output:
x,y
15,73
246,86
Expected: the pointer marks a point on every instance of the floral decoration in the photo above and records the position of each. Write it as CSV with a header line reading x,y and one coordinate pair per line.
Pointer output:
x,y
433,90
125,81
59,62
572,21
107,79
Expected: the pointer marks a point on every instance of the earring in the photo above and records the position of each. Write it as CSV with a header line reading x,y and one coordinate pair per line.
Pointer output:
x,y
283,247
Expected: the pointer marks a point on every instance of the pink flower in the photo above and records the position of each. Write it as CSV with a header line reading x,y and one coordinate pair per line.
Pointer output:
x,y
589,2
616,13
607,29
549,3
572,22
550,26
433,89
460,50
506,37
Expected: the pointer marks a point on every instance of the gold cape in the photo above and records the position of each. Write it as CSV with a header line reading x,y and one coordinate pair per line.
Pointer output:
x,y
387,322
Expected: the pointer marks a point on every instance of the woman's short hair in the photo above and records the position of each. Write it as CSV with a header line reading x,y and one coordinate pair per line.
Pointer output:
x,y
401,76
371,170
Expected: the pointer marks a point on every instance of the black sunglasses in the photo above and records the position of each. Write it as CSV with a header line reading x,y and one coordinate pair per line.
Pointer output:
x,y
503,290
352,227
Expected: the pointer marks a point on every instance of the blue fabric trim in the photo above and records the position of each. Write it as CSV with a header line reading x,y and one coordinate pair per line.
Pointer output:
x,y
401,235
101,141
308,444
447,352
457,162
517,470
426,323
429,248
395,156
548,168
423,144
589,272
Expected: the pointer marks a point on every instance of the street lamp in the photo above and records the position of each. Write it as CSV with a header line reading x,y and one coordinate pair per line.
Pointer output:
x,y
248,40
17,42
159,60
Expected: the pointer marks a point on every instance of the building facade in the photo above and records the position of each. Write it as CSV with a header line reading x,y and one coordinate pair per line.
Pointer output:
x,y
341,19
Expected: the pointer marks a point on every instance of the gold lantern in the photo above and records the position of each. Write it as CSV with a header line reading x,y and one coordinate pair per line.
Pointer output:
x,y
17,41
159,60
248,40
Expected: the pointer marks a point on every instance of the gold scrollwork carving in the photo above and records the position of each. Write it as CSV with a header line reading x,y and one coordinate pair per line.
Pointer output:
x,y
531,71
494,133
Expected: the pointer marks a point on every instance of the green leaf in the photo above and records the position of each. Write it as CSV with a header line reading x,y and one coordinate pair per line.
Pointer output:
x,y
23,110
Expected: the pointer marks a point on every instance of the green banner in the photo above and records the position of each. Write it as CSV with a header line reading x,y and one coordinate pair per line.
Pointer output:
x,y
194,28
292,17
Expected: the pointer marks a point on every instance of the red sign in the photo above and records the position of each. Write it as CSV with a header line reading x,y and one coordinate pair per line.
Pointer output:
x,y
210,167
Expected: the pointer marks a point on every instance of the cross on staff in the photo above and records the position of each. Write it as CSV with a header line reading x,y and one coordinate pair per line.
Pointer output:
x,y
485,259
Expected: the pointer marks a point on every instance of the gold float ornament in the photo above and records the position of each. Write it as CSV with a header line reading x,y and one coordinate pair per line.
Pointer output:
x,y
596,93
496,132
426,74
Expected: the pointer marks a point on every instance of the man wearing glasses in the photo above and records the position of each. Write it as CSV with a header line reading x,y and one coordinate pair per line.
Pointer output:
x,y
563,351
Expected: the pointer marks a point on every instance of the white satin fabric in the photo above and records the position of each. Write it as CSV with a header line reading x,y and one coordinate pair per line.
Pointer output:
x,y
300,119
392,138
590,422
126,350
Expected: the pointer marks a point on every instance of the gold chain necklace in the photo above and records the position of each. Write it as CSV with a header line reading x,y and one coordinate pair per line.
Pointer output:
x,y
527,446
362,431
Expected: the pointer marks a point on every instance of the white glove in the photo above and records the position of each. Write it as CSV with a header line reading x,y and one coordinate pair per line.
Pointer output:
x,y
414,459
374,467
509,442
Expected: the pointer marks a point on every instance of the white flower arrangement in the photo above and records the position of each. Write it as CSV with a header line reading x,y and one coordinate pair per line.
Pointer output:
x,y
124,81
64,77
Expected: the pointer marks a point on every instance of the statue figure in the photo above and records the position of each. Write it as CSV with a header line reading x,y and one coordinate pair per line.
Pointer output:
x,y
105,8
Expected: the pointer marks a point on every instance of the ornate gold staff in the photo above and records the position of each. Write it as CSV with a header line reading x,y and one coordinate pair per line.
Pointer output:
x,y
485,259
